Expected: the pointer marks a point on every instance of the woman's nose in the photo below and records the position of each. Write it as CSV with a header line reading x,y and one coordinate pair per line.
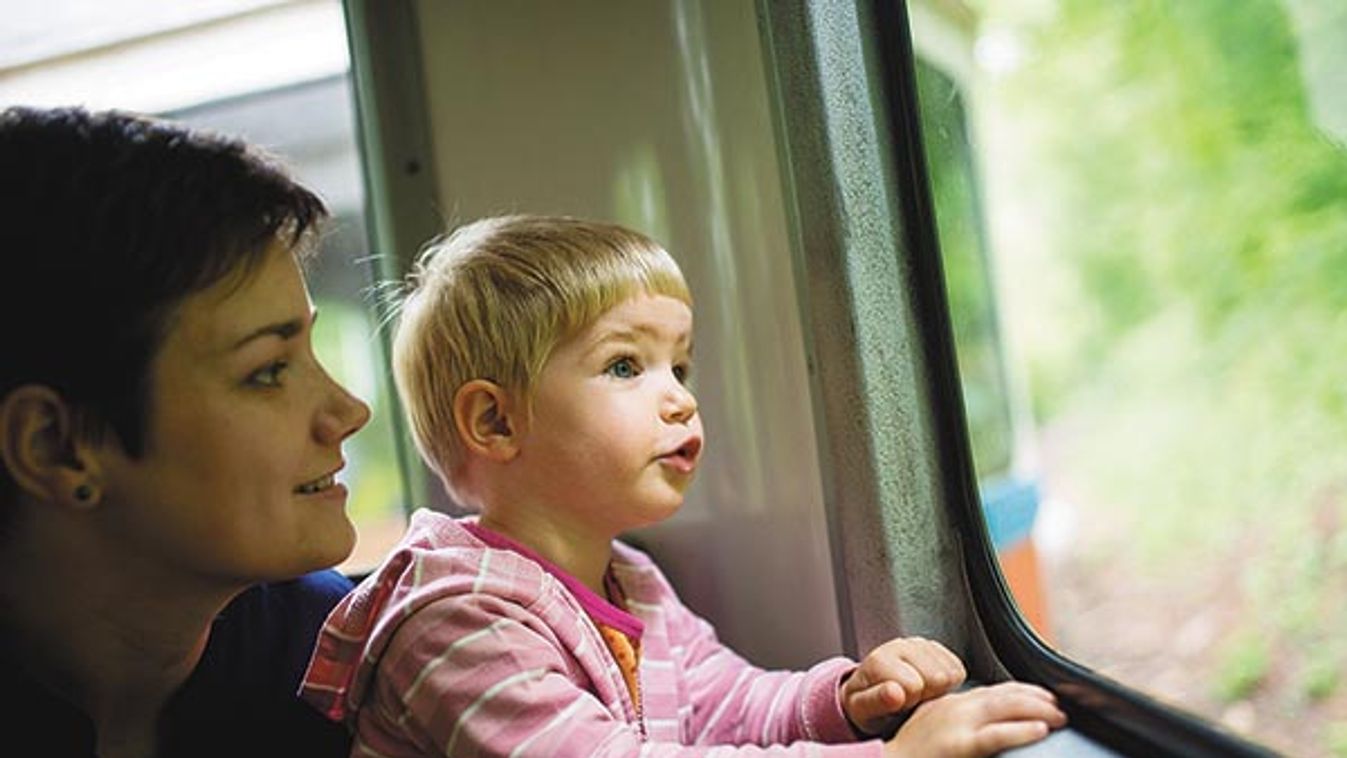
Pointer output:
x,y
343,415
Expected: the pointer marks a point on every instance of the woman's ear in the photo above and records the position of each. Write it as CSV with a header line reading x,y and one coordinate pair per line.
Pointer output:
x,y
40,449
487,421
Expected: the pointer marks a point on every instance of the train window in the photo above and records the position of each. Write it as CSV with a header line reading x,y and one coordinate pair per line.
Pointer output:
x,y
994,412
973,310
1160,193
276,74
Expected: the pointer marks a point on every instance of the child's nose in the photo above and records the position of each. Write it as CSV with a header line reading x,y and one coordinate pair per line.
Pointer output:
x,y
679,403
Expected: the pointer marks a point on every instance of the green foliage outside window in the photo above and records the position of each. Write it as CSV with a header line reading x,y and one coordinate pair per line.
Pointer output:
x,y
1180,297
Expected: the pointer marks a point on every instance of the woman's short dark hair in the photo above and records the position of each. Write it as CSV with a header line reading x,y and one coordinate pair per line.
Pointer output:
x,y
109,221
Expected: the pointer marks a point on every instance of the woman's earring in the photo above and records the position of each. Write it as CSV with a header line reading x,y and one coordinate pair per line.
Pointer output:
x,y
84,493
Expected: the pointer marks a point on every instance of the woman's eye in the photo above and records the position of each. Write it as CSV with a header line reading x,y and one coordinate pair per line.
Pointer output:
x,y
622,368
269,375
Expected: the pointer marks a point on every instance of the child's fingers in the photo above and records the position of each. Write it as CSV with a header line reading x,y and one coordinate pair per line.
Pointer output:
x,y
898,676
937,656
1003,735
876,703
906,676
955,666
923,667
1018,701
942,669
982,721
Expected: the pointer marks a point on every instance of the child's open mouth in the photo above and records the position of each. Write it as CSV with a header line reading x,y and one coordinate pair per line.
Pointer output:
x,y
684,458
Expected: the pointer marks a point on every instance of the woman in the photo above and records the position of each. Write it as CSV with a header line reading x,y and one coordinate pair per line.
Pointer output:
x,y
168,441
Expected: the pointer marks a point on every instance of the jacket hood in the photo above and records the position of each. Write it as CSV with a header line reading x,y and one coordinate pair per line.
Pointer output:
x,y
360,627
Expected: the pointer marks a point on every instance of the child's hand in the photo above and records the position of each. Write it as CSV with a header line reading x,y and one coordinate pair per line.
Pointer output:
x,y
979,722
897,676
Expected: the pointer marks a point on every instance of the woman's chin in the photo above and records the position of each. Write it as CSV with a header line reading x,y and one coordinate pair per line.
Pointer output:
x,y
331,548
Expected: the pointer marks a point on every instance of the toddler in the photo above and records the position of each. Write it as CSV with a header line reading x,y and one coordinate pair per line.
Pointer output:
x,y
544,364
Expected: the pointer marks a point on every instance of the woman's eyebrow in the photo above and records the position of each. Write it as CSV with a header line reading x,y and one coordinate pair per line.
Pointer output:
x,y
283,329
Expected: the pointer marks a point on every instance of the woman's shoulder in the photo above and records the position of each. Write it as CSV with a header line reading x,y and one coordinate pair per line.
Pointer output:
x,y
312,594
242,693
264,636
285,609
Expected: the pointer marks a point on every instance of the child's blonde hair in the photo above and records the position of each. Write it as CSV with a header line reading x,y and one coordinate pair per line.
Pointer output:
x,y
491,301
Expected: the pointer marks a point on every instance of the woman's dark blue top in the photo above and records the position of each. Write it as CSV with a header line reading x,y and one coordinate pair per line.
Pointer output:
x,y
240,700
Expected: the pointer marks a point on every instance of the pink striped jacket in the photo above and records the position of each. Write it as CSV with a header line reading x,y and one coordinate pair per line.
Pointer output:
x,y
452,648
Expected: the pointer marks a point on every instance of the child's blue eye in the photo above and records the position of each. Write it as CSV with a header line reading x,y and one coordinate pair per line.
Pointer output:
x,y
269,375
622,368
681,372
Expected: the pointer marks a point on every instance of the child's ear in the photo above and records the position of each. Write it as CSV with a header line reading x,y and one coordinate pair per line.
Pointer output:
x,y
42,452
487,423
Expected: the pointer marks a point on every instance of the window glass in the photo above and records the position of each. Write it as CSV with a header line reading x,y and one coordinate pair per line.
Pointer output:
x,y
966,269
274,73
1007,486
967,273
1164,194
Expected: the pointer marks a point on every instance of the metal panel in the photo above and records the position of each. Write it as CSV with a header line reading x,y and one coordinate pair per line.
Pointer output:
x,y
867,320
401,209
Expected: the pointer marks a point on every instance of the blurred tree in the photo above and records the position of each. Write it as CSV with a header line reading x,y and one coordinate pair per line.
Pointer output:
x,y
1193,192
1194,176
